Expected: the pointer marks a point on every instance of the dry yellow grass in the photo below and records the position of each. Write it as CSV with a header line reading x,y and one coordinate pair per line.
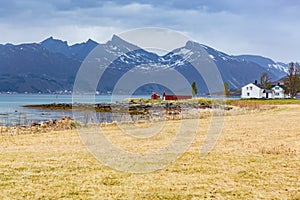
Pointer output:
x,y
256,157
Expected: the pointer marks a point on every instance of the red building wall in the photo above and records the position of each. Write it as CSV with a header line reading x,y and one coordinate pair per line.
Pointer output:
x,y
155,96
176,97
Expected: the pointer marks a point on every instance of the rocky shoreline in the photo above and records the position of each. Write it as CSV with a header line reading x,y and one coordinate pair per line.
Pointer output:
x,y
133,110
142,110
65,123
130,111
131,107
126,112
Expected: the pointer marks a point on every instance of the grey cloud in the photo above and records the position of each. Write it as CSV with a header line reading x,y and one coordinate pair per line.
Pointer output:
x,y
233,26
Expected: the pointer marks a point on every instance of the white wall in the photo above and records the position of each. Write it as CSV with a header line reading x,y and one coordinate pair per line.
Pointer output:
x,y
278,92
251,91
270,95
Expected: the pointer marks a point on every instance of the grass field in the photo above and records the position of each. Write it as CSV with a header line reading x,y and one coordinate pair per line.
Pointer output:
x,y
256,157
264,101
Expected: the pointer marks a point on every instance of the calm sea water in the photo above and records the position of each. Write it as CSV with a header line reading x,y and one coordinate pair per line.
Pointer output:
x,y
12,112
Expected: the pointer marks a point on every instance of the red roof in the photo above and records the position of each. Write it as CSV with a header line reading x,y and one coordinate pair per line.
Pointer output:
x,y
176,97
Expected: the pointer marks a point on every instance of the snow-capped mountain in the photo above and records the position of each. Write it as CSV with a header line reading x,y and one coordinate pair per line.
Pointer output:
x,y
279,69
52,64
234,71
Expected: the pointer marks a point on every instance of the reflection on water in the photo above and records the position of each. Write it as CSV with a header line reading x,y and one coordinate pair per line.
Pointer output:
x,y
12,112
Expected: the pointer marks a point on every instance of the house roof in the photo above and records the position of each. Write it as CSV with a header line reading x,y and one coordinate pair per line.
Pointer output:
x,y
170,93
267,91
282,86
259,85
256,84
262,87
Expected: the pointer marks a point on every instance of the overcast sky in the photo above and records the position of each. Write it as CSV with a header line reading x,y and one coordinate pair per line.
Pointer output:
x,y
269,28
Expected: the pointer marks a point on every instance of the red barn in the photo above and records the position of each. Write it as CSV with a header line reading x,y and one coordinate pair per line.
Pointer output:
x,y
155,96
176,97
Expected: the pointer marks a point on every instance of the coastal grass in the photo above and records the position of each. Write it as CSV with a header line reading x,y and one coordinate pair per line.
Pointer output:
x,y
263,101
198,100
211,101
257,156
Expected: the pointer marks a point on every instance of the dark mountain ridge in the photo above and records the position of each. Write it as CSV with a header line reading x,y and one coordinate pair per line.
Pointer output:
x,y
51,65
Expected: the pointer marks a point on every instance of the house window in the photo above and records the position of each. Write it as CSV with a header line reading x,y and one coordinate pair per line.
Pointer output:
x,y
246,88
250,87
276,94
248,94
276,88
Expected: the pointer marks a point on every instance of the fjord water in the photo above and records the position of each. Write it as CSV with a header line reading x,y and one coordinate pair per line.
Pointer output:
x,y
12,112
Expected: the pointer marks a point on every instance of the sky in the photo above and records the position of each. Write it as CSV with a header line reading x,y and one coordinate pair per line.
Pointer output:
x,y
268,28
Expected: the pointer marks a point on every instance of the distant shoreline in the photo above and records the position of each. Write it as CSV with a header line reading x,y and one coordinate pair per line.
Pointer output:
x,y
130,110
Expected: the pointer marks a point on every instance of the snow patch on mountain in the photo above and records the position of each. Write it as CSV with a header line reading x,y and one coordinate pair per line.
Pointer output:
x,y
279,67
184,53
212,57
123,56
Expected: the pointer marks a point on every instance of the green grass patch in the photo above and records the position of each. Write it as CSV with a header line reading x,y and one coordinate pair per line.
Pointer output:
x,y
263,101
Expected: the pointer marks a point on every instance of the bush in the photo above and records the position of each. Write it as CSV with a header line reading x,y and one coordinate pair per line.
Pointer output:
x,y
75,124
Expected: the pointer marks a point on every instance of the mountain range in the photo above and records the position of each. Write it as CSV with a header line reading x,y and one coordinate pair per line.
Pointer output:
x,y
51,65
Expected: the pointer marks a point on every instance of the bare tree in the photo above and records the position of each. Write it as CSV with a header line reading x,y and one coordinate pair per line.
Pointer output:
x,y
265,80
292,80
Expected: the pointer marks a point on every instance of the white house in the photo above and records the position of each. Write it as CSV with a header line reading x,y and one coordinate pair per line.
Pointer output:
x,y
257,91
252,91
278,92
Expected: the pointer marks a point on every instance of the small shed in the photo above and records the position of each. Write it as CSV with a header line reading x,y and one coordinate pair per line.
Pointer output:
x,y
155,96
176,97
